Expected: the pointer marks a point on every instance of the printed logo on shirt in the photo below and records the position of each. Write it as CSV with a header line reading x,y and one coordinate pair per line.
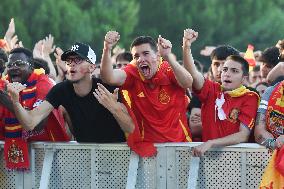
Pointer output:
x,y
234,114
37,103
141,95
276,119
164,98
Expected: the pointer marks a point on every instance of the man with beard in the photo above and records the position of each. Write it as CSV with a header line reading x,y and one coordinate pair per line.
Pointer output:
x,y
93,119
154,90
20,70
228,108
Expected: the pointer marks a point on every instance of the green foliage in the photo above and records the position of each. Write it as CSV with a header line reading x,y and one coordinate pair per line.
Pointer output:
x,y
234,22
70,20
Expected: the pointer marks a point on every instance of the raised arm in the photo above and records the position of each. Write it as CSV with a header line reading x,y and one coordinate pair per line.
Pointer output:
x,y
43,49
189,37
28,119
118,110
48,48
108,74
183,78
277,71
60,64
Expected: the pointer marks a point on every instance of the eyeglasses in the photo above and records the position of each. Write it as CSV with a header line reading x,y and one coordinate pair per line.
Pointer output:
x,y
76,61
18,64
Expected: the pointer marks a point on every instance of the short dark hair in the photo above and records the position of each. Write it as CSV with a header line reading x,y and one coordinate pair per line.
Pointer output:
x,y
280,44
242,61
27,52
144,40
3,55
221,52
270,56
277,80
262,83
124,56
256,68
41,63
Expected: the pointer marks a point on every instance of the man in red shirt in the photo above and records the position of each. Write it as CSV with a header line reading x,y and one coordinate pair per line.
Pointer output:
x,y
20,69
228,109
154,90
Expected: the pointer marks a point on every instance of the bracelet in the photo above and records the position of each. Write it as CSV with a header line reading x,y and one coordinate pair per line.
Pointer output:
x,y
269,143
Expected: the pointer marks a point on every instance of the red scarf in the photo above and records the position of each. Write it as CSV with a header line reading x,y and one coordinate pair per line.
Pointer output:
x,y
16,146
275,120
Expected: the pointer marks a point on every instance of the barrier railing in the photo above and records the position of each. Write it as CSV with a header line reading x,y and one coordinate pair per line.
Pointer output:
x,y
76,165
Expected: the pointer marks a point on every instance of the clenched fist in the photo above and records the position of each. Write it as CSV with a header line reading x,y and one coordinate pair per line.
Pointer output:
x,y
189,36
111,38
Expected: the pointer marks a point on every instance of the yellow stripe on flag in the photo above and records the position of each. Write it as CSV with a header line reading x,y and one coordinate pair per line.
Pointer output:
x,y
271,178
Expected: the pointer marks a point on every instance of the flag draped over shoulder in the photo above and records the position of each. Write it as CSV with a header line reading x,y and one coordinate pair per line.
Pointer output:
x,y
273,176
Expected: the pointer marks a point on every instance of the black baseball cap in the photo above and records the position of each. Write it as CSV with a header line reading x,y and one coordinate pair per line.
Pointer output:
x,y
81,49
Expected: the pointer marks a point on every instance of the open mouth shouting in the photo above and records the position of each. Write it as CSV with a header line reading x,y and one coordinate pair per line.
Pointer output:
x,y
145,70
227,84
15,76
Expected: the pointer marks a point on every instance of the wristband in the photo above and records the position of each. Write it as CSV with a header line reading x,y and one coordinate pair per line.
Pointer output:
x,y
270,143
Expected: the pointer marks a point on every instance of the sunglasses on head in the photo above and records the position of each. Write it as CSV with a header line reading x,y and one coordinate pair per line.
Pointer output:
x,y
18,64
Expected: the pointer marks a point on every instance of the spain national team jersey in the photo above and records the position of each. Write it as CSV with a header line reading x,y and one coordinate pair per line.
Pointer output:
x,y
160,111
236,109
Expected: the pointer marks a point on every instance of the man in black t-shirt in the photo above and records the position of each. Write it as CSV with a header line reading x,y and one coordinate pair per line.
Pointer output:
x,y
94,119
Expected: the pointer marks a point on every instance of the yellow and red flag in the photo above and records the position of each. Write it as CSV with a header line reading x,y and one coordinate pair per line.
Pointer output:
x,y
249,56
272,178
2,43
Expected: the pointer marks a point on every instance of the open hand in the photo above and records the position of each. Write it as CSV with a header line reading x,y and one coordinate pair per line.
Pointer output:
x,y
106,98
48,46
14,89
61,65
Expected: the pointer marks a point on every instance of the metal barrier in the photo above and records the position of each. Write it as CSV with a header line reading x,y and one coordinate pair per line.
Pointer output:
x,y
106,166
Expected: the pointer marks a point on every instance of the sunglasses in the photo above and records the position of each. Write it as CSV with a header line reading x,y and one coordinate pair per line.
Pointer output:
x,y
18,64
76,61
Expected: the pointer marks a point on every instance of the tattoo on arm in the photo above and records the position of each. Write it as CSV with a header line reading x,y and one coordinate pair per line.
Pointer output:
x,y
260,119
264,137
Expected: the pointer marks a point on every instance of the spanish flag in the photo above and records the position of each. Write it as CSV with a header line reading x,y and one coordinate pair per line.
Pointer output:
x,y
249,56
2,43
272,177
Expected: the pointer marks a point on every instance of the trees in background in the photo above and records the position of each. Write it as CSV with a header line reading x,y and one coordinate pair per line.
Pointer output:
x,y
234,22
69,20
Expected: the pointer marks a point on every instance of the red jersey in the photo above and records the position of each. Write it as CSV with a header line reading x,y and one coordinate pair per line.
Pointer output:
x,y
2,86
160,111
241,107
37,87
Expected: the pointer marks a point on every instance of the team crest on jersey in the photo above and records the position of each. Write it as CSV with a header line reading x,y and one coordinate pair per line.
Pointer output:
x,y
164,98
234,114
141,95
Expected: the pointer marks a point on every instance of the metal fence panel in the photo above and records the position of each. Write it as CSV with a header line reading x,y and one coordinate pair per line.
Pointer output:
x,y
100,166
